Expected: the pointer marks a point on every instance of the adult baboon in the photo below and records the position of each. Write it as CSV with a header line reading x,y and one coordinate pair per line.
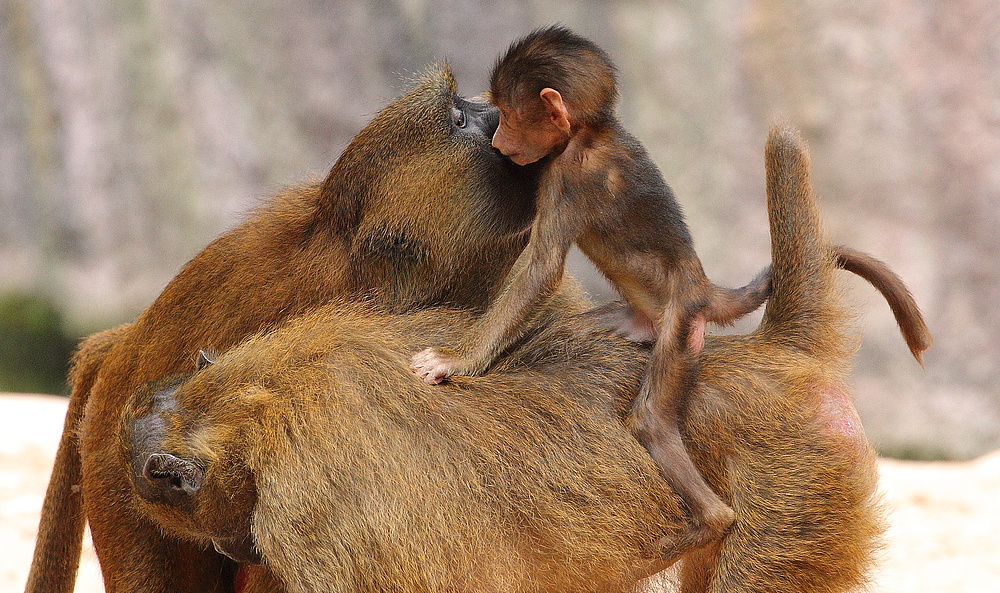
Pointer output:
x,y
314,447
418,210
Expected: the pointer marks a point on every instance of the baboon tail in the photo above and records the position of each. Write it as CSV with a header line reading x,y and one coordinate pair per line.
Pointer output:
x,y
729,304
904,307
800,312
60,530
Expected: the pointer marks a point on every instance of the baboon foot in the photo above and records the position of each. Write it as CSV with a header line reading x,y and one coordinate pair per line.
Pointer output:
x,y
713,525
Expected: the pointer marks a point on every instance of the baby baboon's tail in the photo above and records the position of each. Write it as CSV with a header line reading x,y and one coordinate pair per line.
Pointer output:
x,y
904,307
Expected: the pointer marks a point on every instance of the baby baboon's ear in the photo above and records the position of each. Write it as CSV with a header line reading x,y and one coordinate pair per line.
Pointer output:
x,y
558,113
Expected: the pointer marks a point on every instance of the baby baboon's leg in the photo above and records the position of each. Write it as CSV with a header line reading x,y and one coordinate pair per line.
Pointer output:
x,y
624,320
654,421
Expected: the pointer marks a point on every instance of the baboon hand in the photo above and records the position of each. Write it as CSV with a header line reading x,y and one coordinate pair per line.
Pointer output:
x,y
434,365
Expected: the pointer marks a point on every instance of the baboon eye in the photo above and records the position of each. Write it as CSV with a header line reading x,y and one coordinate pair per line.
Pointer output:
x,y
458,117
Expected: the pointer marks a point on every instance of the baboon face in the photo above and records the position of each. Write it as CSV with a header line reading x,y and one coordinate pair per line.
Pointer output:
x,y
181,478
434,213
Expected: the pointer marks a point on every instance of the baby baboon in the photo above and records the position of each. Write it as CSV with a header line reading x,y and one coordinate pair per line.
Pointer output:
x,y
357,235
316,448
599,189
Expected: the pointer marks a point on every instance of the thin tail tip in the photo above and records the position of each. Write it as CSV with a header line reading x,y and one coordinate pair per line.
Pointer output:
x,y
920,345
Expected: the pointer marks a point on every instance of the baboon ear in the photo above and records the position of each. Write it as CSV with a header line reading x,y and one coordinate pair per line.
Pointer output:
x,y
204,359
557,109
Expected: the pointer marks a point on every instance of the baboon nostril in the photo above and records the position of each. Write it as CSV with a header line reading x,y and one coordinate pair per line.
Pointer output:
x,y
171,473
169,478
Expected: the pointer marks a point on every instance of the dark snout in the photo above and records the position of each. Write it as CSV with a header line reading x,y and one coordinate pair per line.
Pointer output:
x,y
168,479
158,476
484,116
172,475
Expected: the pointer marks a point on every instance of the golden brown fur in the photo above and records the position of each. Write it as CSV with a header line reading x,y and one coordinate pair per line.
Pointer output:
x,y
366,233
368,479
351,474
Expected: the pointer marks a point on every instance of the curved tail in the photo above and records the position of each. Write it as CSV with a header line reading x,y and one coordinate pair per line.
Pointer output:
x,y
728,304
800,307
60,530
904,307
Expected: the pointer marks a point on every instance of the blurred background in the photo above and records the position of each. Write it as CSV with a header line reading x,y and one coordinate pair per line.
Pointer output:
x,y
132,132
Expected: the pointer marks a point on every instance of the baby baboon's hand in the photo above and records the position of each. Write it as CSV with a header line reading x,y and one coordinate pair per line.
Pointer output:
x,y
434,365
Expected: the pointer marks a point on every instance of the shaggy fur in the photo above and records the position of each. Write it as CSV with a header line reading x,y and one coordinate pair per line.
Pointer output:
x,y
365,233
348,473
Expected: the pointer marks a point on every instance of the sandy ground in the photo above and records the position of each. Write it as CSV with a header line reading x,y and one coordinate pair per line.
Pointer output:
x,y
944,538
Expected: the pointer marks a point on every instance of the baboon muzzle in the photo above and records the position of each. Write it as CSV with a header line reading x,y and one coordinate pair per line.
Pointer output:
x,y
171,477
483,117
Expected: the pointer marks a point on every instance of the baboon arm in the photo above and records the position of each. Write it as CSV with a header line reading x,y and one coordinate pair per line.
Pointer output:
x,y
535,278
525,294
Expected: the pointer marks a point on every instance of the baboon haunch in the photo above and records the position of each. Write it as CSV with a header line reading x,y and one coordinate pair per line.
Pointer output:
x,y
418,210
315,447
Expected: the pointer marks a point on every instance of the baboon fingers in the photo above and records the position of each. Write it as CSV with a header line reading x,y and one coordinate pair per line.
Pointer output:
x,y
434,376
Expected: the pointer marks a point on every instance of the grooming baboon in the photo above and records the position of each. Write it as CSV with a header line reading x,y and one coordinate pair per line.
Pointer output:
x,y
360,234
598,189
395,485
60,532
315,447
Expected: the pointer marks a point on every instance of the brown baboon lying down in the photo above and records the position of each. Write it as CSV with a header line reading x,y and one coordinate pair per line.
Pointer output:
x,y
360,477
315,449
419,210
